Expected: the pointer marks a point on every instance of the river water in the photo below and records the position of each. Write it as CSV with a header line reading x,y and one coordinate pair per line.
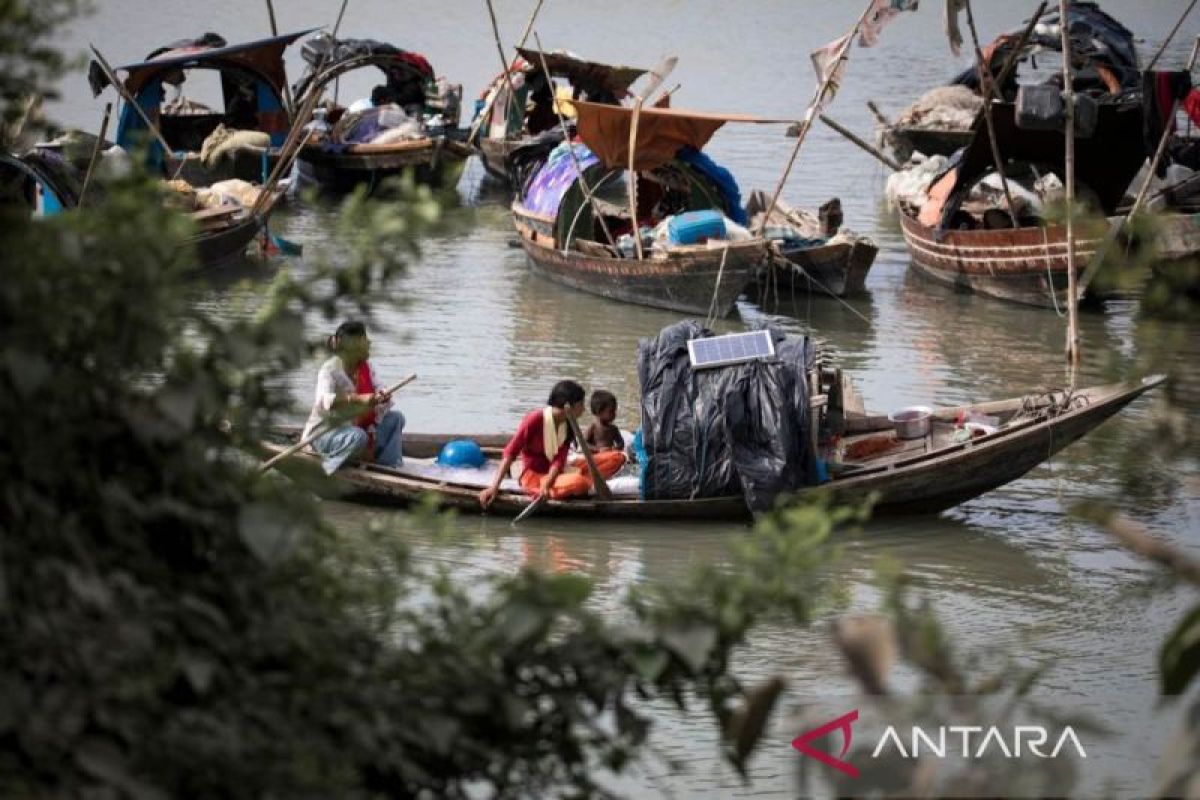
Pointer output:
x,y
1010,572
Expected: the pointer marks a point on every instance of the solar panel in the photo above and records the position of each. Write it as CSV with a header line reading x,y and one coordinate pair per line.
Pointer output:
x,y
733,348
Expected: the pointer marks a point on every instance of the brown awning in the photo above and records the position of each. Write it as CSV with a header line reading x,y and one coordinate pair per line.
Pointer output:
x,y
576,70
661,132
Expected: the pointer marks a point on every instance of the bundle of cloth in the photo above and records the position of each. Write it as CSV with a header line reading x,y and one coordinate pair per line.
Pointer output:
x,y
224,143
943,107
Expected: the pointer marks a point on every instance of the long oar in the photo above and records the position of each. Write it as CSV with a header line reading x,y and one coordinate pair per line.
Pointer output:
x,y
168,151
532,507
322,428
91,167
602,490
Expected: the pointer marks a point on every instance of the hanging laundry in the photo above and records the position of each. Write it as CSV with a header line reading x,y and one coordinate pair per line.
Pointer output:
x,y
878,15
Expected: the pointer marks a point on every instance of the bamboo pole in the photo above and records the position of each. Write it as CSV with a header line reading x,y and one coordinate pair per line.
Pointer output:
x,y
1011,63
987,89
1162,48
598,482
587,191
292,145
822,88
879,154
487,107
633,127
1072,348
504,65
287,90
1115,231
128,98
657,76
87,176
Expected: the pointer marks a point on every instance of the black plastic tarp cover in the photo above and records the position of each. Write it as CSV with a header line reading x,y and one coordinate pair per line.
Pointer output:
x,y
726,430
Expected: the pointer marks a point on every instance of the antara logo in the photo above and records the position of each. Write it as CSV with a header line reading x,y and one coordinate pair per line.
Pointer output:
x,y
966,741
842,723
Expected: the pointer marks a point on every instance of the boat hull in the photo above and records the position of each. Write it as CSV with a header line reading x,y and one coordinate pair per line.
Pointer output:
x,y
922,483
434,163
838,269
494,155
1021,265
225,245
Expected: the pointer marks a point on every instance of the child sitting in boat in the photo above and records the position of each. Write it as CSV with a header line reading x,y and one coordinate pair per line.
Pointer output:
x,y
541,442
602,435
344,380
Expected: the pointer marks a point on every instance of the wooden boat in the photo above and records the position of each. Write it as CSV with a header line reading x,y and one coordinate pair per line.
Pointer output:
x,y
254,88
49,186
433,154
1023,265
1026,264
836,265
504,125
570,224
694,279
915,476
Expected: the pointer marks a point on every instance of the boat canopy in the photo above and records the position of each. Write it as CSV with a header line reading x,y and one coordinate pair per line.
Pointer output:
x,y
661,132
1104,50
582,73
339,56
264,57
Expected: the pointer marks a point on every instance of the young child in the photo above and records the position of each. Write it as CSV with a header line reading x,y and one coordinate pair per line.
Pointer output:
x,y
602,434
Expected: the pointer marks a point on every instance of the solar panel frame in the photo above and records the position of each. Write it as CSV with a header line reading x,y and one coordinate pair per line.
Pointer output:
x,y
731,348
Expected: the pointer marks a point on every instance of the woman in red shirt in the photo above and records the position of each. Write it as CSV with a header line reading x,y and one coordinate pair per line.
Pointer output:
x,y
541,442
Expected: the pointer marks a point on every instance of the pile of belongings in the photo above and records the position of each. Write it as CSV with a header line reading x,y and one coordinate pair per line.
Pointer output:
x,y
738,429
183,196
380,125
797,228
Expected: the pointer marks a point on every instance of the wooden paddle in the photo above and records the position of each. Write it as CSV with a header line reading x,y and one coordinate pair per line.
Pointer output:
x,y
321,428
602,490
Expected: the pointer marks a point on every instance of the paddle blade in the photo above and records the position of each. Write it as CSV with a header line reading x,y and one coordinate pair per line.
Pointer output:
x,y
658,75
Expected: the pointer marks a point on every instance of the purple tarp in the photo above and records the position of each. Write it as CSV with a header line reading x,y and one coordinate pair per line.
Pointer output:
x,y
551,182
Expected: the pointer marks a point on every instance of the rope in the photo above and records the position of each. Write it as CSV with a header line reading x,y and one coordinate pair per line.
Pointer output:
x,y
1049,274
712,305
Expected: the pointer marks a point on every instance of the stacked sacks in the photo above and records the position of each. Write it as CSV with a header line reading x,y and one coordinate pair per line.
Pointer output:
x,y
740,429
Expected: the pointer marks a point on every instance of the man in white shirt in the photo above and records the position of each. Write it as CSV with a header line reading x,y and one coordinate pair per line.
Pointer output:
x,y
345,381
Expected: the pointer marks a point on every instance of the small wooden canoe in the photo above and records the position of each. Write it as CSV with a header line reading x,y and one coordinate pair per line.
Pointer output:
x,y
692,279
837,268
918,476
1022,265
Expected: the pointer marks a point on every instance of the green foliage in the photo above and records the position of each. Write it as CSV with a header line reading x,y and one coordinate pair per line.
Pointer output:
x,y
1179,661
173,623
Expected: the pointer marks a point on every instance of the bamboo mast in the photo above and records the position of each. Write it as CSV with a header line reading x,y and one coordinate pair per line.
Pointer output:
x,y
822,88
988,90
504,66
1072,348
487,108
587,191
657,76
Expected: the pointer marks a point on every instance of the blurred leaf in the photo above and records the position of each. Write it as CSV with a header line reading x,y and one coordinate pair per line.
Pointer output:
x,y
1179,660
